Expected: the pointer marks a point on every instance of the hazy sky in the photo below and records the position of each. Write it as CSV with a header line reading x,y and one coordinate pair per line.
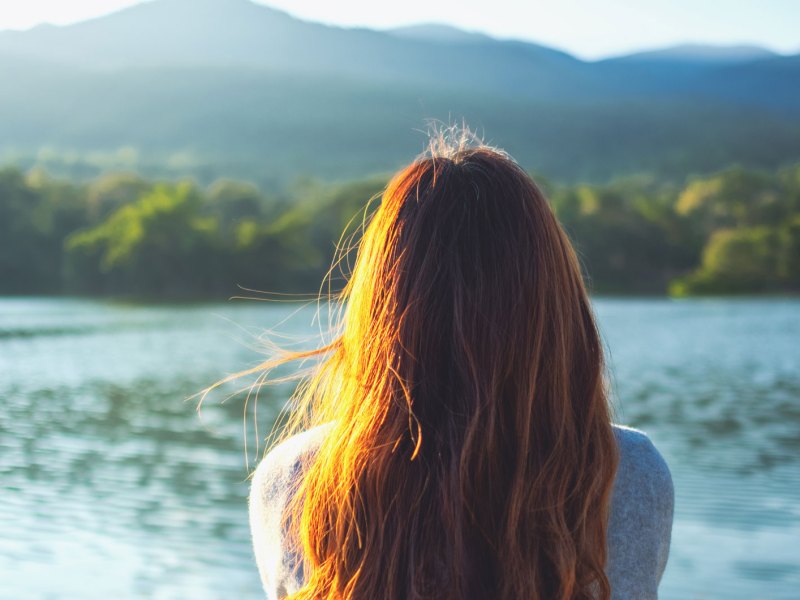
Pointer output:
x,y
588,28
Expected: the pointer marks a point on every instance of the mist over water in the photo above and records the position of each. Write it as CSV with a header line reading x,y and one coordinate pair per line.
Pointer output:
x,y
114,486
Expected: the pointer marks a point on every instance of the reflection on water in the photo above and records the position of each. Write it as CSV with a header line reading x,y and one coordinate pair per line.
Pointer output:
x,y
113,486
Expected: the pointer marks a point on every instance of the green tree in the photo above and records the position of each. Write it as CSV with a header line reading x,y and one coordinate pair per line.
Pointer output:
x,y
159,245
233,201
736,197
112,191
735,261
627,234
36,214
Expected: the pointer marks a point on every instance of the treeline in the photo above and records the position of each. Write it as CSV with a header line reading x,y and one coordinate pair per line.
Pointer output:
x,y
736,231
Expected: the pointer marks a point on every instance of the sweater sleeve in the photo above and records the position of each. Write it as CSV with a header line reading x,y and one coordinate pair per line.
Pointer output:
x,y
268,497
274,482
640,524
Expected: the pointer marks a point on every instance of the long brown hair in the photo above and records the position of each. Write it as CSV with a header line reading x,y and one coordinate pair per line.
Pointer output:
x,y
470,452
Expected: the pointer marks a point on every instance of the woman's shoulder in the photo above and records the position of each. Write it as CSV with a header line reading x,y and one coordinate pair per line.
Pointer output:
x,y
640,462
641,465
274,481
640,524
283,464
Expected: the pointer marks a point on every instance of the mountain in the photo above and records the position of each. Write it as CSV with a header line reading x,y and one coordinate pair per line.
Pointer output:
x,y
436,32
229,87
702,54
202,33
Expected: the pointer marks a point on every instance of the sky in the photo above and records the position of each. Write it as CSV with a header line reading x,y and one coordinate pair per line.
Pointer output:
x,y
586,28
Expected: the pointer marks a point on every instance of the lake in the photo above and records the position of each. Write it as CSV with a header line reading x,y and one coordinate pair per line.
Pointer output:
x,y
114,486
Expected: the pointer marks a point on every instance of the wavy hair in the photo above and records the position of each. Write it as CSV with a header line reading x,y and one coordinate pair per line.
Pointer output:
x,y
470,452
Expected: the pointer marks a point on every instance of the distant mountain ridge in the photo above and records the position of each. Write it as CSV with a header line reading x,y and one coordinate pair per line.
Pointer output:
x,y
254,26
706,53
437,32
149,78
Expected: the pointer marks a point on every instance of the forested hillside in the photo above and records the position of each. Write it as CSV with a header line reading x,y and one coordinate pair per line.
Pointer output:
x,y
229,88
731,232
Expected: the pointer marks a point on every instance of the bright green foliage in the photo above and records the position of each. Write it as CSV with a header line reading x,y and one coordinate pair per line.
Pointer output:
x,y
736,260
736,197
753,225
112,191
736,231
627,235
160,244
176,241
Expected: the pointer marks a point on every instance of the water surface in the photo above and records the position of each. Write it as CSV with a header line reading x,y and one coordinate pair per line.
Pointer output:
x,y
114,487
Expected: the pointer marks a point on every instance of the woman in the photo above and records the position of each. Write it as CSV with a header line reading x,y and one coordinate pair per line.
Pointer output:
x,y
457,441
